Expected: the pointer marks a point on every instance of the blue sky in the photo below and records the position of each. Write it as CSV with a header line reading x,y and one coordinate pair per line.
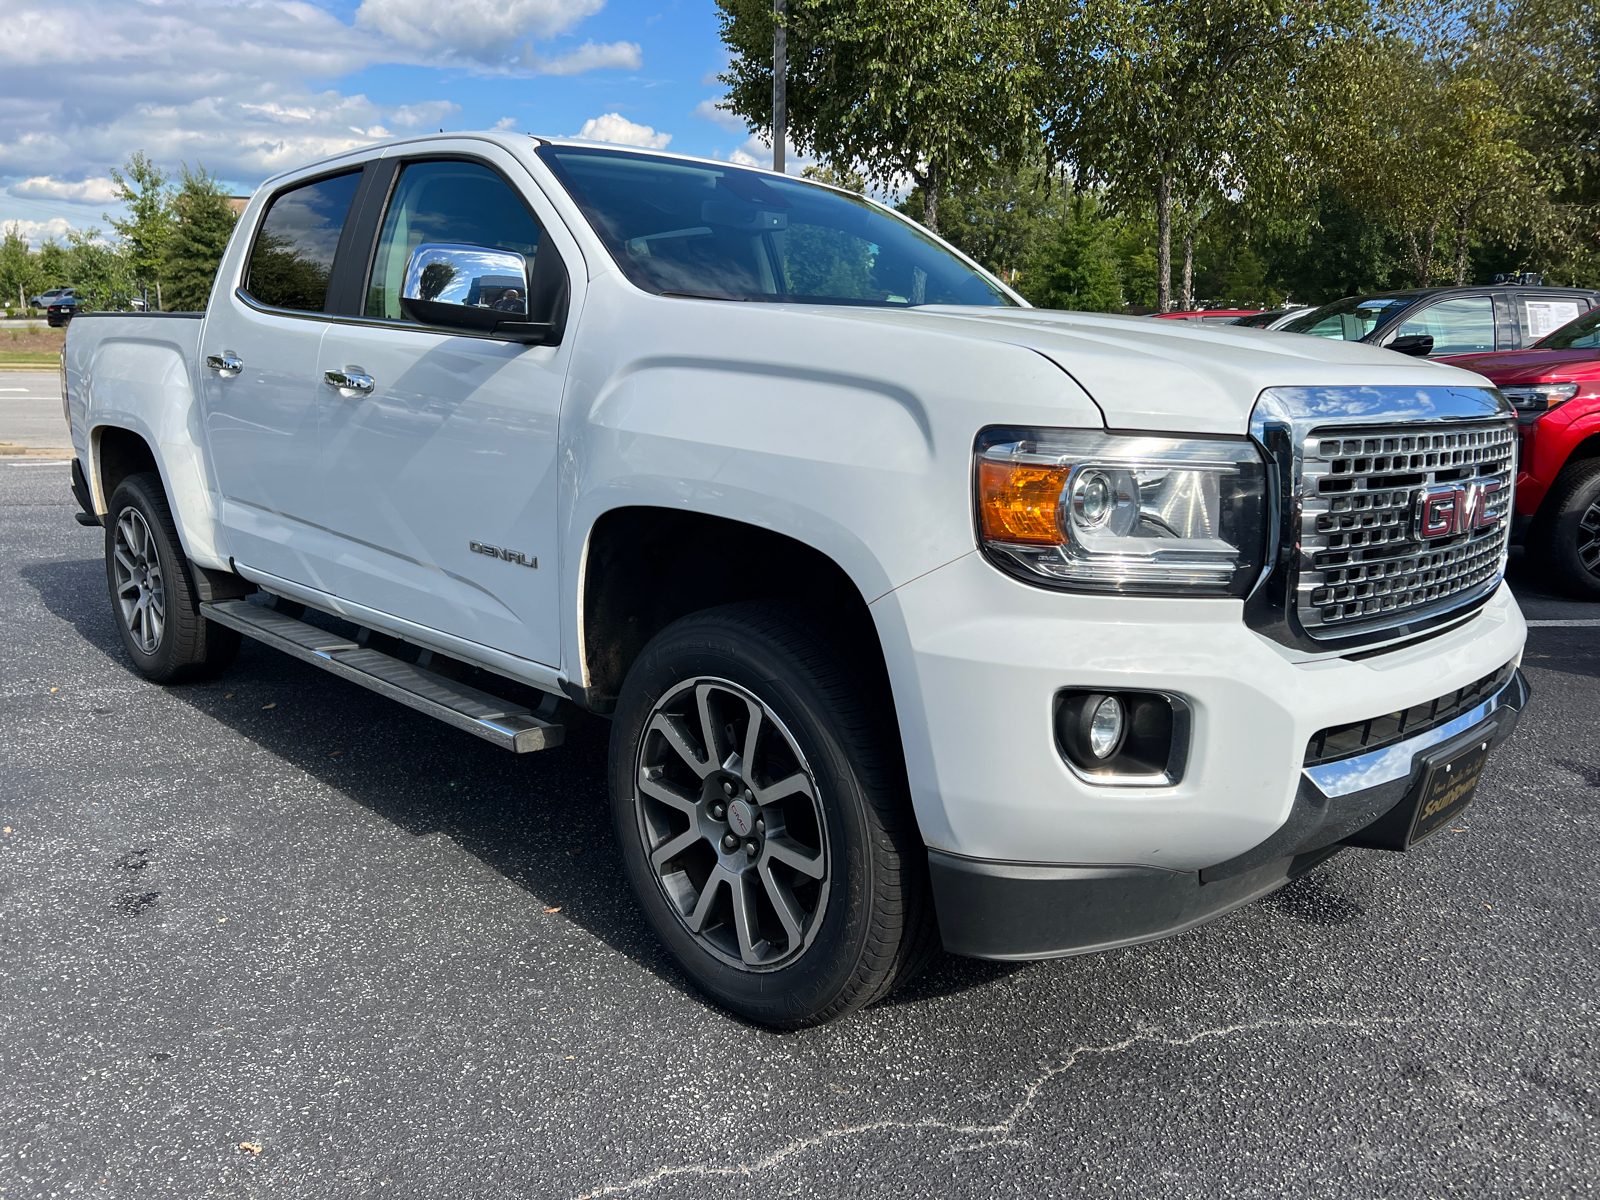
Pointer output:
x,y
252,87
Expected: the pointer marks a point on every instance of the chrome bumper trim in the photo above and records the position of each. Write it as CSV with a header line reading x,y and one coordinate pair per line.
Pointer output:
x,y
1377,767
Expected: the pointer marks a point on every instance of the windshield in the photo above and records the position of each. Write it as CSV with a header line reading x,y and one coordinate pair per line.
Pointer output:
x,y
1582,334
727,233
1350,319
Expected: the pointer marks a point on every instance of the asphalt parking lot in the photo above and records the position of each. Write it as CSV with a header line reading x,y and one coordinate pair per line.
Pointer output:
x,y
276,935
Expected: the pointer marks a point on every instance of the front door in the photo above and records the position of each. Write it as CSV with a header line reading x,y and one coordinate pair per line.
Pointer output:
x,y
440,482
260,398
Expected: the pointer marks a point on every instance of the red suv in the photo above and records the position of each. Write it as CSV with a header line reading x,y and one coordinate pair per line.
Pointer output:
x,y
1555,386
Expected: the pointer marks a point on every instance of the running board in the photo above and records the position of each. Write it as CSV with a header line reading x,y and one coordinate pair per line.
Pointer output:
x,y
512,726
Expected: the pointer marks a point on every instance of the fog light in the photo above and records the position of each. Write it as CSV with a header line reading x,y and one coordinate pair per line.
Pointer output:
x,y
1123,739
1106,728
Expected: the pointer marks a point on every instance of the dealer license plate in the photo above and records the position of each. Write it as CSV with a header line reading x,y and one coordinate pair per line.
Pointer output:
x,y
1447,789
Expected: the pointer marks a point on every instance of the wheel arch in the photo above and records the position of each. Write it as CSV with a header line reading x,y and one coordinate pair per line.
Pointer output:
x,y
644,567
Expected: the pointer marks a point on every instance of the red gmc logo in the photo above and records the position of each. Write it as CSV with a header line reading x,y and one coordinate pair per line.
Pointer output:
x,y
1452,508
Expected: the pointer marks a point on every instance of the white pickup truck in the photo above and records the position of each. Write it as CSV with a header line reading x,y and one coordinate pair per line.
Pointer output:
x,y
921,616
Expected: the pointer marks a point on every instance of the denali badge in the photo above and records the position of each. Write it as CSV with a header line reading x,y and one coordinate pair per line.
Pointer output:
x,y
511,556
1451,508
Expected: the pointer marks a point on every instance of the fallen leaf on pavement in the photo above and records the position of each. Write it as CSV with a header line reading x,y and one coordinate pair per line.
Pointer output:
x,y
575,853
264,707
250,1147
551,910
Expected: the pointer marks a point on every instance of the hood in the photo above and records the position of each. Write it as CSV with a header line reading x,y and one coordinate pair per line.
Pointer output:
x,y
1532,366
1180,376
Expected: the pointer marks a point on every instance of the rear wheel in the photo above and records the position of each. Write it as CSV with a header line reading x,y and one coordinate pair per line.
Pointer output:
x,y
152,593
763,818
1568,537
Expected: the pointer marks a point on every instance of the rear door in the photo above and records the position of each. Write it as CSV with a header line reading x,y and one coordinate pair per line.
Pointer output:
x,y
440,482
258,387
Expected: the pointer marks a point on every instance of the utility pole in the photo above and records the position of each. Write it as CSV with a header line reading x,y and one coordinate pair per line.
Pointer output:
x,y
780,97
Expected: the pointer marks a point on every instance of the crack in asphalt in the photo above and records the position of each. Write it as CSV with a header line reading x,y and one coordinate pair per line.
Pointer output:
x,y
1001,1133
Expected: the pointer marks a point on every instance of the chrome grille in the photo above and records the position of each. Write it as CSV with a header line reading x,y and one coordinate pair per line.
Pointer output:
x,y
1364,560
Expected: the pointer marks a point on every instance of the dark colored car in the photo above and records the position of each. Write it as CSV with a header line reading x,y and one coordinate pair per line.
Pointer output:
x,y
1269,319
1555,387
1439,322
60,309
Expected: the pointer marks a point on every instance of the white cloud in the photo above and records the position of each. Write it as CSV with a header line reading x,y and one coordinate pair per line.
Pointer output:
x,y
591,56
707,110
505,124
38,231
614,127
756,151
218,82
88,191
475,28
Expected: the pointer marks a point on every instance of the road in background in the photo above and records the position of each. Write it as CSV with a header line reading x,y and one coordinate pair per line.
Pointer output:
x,y
30,411
275,934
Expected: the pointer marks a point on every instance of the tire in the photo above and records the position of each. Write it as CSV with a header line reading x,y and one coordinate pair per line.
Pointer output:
x,y
838,910
1567,537
153,596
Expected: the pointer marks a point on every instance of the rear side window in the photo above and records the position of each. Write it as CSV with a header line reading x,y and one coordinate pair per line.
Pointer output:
x,y
1543,317
457,202
293,257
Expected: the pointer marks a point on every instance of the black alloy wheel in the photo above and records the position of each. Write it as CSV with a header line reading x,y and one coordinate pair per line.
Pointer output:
x,y
761,807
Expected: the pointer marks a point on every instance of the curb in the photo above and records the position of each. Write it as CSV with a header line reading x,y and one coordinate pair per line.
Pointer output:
x,y
9,451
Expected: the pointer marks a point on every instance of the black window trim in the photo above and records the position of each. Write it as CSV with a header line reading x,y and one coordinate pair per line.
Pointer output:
x,y
362,167
380,209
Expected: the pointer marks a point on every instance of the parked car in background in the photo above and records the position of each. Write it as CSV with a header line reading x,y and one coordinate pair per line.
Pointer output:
x,y
1207,316
1272,318
60,310
46,299
1555,387
1440,322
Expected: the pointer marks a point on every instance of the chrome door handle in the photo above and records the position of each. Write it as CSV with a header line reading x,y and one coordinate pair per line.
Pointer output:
x,y
349,380
227,362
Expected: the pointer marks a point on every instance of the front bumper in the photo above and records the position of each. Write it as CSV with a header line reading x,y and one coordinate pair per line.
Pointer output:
x,y
977,658
1012,910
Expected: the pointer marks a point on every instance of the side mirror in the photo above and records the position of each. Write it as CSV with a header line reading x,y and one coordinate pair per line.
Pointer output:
x,y
1417,345
477,289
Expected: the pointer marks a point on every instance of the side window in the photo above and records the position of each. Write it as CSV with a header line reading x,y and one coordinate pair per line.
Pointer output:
x,y
1540,317
461,203
1462,326
293,256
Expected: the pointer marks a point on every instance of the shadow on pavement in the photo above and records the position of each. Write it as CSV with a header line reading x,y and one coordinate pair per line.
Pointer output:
x,y
542,821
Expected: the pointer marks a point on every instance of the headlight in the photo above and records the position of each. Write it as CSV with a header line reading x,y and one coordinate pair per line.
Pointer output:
x,y
1539,397
1090,511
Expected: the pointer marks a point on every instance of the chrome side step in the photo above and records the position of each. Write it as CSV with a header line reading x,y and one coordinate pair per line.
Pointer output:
x,y
512,726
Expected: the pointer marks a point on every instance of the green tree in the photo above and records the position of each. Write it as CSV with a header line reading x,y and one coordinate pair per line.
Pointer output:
x,y
19,268
1001,219
1076,266
1185,102
935,91
194,251
145,231
101,273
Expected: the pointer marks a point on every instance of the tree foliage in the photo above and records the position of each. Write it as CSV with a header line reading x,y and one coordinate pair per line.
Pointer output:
x,y
204,222
931,91
147,227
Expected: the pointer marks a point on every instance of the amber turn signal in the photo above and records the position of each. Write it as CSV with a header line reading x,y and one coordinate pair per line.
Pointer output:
x,y
1021,502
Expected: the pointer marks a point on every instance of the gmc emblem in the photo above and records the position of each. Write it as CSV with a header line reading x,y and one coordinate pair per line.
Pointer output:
x,y
1455,508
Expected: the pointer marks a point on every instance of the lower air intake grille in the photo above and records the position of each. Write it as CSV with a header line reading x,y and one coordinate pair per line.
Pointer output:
x,y
1398,523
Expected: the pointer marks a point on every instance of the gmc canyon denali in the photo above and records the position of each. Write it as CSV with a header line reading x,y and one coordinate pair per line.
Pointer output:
x,y
920,616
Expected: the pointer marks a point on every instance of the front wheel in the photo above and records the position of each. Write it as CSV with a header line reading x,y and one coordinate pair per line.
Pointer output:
x,y
762,813
152,593
1568,534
